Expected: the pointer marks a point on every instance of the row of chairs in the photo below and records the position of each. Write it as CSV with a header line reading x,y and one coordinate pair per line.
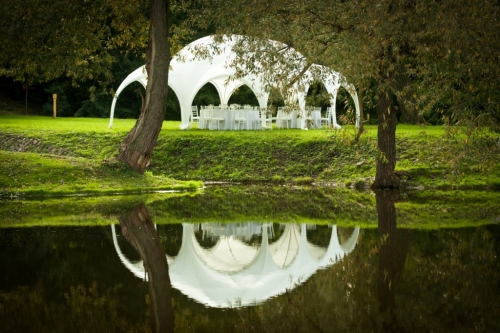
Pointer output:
x,y
286,117
211,115
230,107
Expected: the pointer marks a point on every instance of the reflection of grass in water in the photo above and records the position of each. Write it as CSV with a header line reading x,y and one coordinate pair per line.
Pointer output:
x,y
91,210
269,204
228,204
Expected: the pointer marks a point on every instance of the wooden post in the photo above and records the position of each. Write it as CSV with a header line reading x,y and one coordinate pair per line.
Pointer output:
x,y
54,97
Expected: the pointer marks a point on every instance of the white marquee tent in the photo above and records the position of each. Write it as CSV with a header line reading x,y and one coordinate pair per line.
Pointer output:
x,y
188,73
232,273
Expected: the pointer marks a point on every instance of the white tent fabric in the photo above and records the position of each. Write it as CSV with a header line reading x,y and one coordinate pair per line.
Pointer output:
x,y
188,73
226,88
219,278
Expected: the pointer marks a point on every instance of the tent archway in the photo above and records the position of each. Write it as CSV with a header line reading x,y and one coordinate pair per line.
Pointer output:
x,y
225,88
189,72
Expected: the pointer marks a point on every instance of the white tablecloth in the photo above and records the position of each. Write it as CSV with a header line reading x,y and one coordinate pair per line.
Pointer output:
x,y
252,117
298,119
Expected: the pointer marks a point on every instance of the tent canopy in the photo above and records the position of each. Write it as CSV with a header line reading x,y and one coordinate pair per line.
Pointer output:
x,y
189,73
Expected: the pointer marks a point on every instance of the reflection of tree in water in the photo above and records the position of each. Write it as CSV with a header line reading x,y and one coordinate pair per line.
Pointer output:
x,y
127,249
392,256
68,282
86,309
439,281
319,234
344,233
170,238
255,240
138,228
277,232
204,241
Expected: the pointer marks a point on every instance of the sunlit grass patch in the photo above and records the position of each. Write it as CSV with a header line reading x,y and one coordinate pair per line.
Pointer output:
x,y
35,174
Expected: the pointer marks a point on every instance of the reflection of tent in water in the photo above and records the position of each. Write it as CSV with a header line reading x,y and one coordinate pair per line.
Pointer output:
x,y
232,273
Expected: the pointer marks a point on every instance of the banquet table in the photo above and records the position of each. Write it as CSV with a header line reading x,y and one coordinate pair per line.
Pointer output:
x,y
229,116
298,119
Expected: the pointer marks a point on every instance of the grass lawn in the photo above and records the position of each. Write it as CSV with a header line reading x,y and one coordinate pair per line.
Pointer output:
x,y
73,155
33,124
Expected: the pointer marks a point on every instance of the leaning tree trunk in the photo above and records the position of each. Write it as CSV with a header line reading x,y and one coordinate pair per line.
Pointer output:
x,y
386,136
137,147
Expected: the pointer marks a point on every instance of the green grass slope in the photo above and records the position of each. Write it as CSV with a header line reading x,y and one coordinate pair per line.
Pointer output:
x,y
427,156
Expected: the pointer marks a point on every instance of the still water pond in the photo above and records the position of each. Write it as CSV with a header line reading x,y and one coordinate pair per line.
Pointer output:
x,y
252,259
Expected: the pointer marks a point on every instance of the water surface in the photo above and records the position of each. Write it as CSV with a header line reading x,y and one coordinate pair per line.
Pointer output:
x,y
266,259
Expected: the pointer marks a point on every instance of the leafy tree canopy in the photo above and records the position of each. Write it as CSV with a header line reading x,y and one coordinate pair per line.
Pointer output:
x,y
433,55
46,39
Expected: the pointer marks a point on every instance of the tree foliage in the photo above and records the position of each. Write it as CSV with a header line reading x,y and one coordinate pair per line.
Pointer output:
x,y
412,56
443,51
43,40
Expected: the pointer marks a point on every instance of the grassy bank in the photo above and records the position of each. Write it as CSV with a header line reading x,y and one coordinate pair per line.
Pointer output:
x,y
67,155
30,174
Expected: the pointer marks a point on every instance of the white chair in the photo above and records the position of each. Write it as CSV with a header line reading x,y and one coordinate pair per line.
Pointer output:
x,y
328,118
195,116
205,118
217,117
241,118
308,121
283,119
265,122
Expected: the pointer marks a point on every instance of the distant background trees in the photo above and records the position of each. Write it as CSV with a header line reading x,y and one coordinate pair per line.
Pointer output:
x,y
43,55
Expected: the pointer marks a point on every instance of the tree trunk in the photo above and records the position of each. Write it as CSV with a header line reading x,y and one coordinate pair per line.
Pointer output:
x,y
386,136
138,229
361,128
137,147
